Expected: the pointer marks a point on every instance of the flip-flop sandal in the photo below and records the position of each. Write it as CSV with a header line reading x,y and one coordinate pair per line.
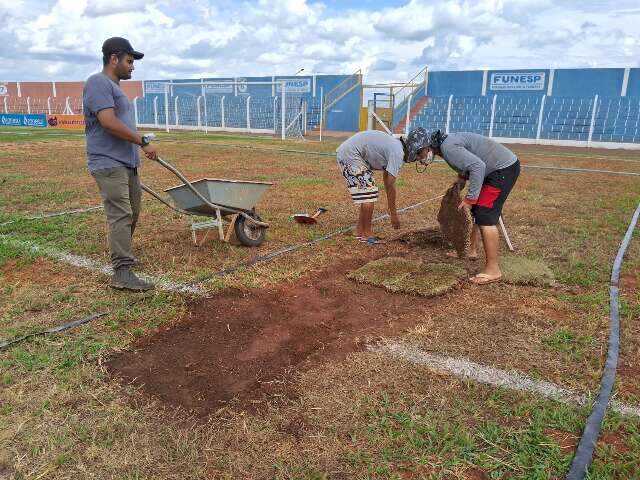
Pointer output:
x,y
372,240
484,279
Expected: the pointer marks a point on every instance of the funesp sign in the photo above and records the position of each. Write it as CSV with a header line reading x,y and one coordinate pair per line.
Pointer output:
x,y
294,85
517,81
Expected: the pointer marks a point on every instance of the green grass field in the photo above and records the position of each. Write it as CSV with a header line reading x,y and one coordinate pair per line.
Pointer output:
x,y
358,415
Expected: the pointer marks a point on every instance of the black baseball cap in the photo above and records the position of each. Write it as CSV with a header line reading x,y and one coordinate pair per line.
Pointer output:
x,y
120,45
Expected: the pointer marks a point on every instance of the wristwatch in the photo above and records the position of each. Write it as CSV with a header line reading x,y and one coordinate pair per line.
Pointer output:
x,y
145,140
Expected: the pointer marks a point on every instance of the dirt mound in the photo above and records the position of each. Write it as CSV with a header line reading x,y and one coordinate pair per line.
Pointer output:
x,y
422,238
242,347
409,276
455,223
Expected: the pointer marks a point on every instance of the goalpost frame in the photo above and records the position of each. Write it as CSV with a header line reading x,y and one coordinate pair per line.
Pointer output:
x,y
205,126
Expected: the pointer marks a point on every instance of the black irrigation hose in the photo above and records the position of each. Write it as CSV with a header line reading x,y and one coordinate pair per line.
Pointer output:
x,y
52,215
75,323
582,170
66,326
292,248
247,147
584,453
325,154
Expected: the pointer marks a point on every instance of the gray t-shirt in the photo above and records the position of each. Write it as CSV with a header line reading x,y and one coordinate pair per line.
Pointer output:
x,y
475,157
379,150
103,149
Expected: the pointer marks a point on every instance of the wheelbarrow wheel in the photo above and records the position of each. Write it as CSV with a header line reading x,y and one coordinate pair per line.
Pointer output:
x,y
248,233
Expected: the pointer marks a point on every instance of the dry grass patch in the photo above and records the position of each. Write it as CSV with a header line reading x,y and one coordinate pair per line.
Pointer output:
x,y
400,275
526,271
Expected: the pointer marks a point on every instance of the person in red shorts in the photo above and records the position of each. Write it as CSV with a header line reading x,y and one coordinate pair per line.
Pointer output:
x,y
492,171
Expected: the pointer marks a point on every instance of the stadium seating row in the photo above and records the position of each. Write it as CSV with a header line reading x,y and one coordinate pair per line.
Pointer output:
x,y
518,116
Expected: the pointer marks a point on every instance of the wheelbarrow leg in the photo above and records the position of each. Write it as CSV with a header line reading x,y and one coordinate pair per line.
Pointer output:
x,y
204,237
230,227
220,229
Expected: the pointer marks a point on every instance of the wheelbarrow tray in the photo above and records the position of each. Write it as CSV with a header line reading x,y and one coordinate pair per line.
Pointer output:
x,y
235,194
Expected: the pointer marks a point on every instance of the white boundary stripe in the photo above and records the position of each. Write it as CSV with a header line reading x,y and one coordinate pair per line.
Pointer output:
x,y
462,368
92,265
51,215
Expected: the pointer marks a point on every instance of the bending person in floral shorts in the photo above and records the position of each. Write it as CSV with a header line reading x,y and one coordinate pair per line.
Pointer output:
x,y
373,150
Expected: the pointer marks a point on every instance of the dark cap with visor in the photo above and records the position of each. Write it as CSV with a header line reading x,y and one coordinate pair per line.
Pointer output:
x,y
120,45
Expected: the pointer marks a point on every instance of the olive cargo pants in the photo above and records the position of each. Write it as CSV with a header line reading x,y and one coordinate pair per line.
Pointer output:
x,y
121,197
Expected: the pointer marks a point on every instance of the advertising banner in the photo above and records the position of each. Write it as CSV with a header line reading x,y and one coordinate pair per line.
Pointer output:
x,y
225,86
66,121
23,120
154,87
517,81
294,85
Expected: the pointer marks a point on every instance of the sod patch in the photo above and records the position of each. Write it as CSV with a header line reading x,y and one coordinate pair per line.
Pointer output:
x,y
455,223
409,276
526,271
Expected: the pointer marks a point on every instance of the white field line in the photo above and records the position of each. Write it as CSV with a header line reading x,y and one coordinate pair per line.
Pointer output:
x,y
92,265
462,368
583,157
57,214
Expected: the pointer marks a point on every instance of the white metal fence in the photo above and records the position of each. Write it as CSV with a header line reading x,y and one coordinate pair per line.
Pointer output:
x,y
610,122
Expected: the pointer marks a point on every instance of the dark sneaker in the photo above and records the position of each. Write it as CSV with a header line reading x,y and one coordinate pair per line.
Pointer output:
x,y
125,279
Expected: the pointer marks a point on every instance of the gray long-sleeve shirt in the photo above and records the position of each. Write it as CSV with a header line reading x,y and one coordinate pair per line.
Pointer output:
x,y
475,157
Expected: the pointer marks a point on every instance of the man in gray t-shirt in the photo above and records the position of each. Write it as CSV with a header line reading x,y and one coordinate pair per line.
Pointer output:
x,y
112,155
492,170
357,158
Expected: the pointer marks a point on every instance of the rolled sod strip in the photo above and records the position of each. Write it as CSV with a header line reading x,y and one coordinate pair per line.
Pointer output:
x,y
400,275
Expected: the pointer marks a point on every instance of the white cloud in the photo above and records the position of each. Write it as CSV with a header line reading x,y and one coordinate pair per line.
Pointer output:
x,y
62,39
102,8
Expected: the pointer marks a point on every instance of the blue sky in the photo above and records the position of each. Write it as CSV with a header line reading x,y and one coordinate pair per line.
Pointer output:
x,y
389,40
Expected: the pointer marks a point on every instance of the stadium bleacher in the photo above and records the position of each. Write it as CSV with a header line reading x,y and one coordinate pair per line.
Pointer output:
x,y
616,119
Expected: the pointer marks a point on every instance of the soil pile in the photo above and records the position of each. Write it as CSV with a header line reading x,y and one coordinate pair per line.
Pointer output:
x,y
242,347
428,237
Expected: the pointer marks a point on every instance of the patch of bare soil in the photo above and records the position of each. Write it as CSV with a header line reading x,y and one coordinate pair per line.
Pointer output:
x,y
429,237
244,347
614,439
567,441
475,474
41,271
630,282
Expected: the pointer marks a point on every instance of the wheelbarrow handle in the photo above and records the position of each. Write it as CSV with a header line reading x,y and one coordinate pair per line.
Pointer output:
x,y
319,212
162,200
178,174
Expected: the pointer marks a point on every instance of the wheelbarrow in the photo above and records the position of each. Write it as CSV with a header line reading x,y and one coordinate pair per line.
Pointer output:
x,y
218,199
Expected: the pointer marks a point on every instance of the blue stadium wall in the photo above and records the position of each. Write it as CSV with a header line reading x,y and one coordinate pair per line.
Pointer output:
x,y
581,82
617,88
342,116
533,104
